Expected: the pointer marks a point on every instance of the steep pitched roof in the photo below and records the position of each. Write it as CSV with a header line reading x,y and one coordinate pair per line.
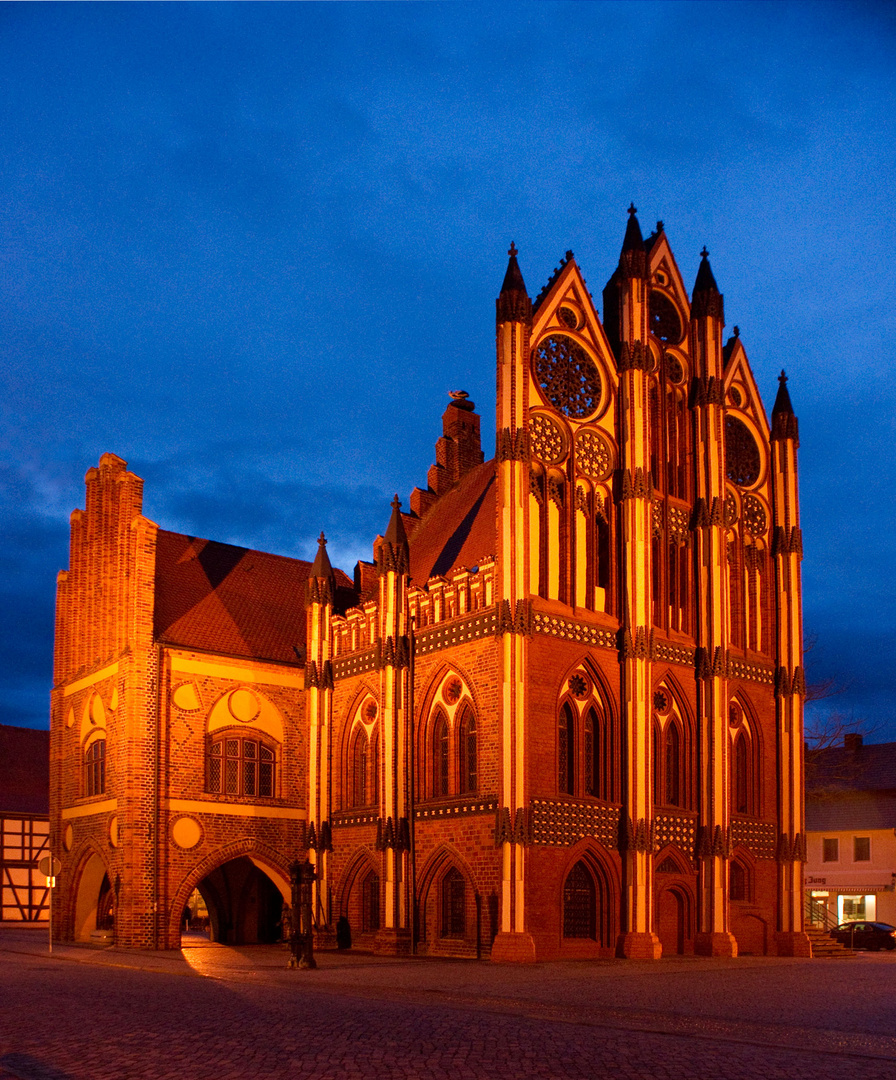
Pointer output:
x,y
224,599
24,770
460,529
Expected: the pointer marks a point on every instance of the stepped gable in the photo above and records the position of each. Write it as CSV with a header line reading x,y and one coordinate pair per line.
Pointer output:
x,y
459,529
24,770
232,600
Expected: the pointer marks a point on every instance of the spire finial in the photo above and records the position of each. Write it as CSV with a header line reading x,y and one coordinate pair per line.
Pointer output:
x,y
513,251
321,540
632,209
737,331
782,378
659,226
396,502
704,254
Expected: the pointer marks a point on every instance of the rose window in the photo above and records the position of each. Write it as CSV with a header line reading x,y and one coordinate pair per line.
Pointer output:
x,y
568,377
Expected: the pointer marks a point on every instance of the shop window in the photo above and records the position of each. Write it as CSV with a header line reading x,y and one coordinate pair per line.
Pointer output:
x,y
861,849
241,766
95,768
454,904
830,850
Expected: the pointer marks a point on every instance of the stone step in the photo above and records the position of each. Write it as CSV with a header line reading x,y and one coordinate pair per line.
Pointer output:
x,y
824,945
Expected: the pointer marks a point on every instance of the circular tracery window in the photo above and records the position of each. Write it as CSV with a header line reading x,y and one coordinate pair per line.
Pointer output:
x,y
593,455
755,519
547,439
742,461
567,375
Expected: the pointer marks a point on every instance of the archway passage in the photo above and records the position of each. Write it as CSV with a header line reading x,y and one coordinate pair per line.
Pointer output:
x,y
94,904
244,905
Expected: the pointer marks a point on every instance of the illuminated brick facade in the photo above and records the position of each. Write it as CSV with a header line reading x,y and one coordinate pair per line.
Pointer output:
x,y
559,713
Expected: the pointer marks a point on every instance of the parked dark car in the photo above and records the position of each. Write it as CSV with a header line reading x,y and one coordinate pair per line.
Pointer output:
x,y
866,935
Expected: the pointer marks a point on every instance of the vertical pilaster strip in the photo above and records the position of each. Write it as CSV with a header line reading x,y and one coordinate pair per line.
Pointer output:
x,y
790,688
513,327
395,733
707,323
319,704
638,939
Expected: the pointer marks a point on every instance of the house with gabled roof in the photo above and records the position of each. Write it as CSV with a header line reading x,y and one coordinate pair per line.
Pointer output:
x,y
851,832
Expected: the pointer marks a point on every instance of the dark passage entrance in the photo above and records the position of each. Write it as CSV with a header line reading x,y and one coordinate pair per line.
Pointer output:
x,y
244,905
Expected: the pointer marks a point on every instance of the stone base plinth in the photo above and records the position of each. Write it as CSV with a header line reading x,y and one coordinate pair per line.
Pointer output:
x,y
792,943
717,944
639,946
393,943
513,948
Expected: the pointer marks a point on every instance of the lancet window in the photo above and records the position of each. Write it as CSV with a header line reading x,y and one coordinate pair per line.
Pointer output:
x,y
585,743
95,768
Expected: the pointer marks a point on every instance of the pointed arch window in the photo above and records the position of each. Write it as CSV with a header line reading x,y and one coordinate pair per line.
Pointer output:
x,y
741,775
738,881
672,764
440,756
579,904
671,783
566,749
467,763
454,904
95,768
360,768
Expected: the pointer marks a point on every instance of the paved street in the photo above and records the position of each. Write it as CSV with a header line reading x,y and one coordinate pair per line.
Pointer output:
x,y
212,1013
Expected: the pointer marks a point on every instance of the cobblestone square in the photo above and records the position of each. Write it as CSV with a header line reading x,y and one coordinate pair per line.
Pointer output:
x,y
214,1013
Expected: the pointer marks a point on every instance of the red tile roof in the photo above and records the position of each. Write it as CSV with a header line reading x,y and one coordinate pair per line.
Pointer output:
x,y
24,770
459,529
232,600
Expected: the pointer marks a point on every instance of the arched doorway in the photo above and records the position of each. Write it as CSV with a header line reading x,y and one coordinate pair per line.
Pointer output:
x,y
244,905
674,921
94,904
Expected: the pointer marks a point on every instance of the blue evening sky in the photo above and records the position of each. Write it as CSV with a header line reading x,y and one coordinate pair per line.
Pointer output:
x,y
249,248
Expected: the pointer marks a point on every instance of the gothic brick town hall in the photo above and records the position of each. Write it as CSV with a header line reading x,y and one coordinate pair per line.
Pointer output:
x,y
558,714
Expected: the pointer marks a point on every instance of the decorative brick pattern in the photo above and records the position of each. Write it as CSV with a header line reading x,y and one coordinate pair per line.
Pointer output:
x,y
456,632
480,806
554,626
675,829
750,672
668,653
564,823
759,838
356,664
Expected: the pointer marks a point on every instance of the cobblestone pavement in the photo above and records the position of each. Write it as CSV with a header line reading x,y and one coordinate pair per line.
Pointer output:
x,y
211,1013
